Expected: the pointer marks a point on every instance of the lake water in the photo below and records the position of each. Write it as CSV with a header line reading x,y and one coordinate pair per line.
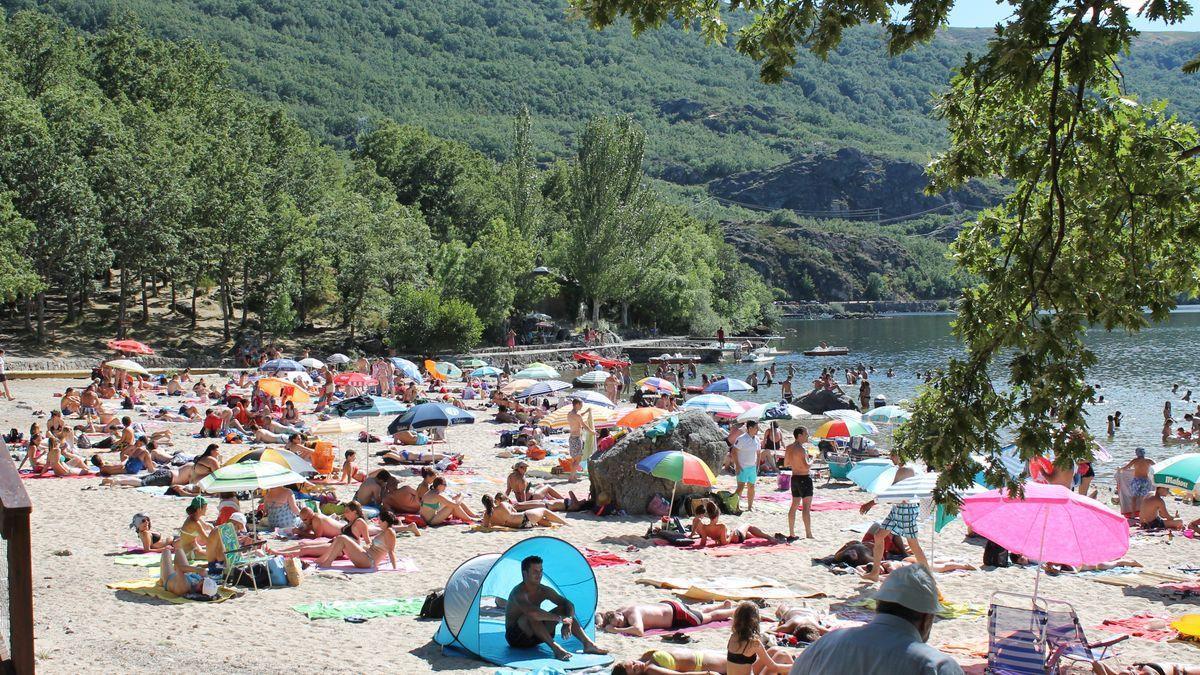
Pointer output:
x,y
1135,372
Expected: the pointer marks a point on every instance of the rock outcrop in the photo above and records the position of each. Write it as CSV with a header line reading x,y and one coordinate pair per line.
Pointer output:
x,y
614,472
818,401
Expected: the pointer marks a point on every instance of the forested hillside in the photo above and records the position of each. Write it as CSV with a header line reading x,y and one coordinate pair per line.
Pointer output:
x,y
463,68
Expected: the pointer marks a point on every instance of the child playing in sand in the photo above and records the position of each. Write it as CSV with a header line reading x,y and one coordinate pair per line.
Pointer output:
x,y
351,472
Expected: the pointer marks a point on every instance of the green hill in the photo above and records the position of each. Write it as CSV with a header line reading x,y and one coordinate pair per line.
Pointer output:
x,y
462,68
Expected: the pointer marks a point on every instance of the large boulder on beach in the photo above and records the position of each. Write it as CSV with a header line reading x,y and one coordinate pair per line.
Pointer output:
x,y
614,472
819,401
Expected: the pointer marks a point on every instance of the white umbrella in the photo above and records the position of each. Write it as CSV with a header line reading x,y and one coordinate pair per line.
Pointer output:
x,y
128,366
310,362
777,411
917,488
844,415
338,359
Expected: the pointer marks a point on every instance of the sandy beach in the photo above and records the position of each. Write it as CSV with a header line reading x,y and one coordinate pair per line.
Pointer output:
x,y
82,626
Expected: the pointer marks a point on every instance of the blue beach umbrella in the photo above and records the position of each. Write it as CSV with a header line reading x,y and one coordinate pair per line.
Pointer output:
x,y
727,385
430,414
410,369
543,388
486,371
278,365
873,475
365,407
449,369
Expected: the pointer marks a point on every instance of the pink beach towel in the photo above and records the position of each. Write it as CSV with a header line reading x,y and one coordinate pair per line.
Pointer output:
x,y
29,475
1145,626
605,559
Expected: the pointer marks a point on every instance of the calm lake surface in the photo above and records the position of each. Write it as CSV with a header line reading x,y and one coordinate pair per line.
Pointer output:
x,y
1135,372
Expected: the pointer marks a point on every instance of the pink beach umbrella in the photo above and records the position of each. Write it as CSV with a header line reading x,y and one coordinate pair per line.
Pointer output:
x,y
1050,524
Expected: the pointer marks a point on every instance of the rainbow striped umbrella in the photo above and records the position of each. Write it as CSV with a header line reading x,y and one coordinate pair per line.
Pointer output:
x,y
843,429
658,384
678,467
714,403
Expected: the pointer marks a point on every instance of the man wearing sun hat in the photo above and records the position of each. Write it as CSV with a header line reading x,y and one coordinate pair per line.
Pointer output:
x,y
894,642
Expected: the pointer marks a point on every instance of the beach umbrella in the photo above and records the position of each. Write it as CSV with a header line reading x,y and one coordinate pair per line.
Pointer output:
x,y
592,378
248,476
472,363
129,347
727,385
430,414
310,362
658,384
888,414
1180,471
338,359
127,366
520,384
844,414
600,414
873,475
285,458
486,371
678,467
543,388
410,369
1048,524
593,398
537,371
432,369
276,365
843,429
767,412
916,488
358,380
365,407
713,403
336,425
284,390
295,377
640,416
449,369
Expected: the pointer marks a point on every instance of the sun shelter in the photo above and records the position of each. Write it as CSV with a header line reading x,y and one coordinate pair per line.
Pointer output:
x,y
473,622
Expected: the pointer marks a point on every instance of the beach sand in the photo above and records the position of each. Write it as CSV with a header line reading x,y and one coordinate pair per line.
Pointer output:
x,y
82,626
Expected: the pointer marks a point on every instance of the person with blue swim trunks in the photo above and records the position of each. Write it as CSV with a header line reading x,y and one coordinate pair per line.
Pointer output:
x,y
745,447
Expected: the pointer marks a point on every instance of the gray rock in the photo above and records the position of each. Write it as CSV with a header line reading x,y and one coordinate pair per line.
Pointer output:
x,y
818,401
614,472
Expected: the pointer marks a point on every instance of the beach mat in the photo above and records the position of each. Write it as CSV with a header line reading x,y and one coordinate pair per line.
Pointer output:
x,y
367,609
493,648
138,559
673,583
708,594
1144,578
1144,625
950,609
816,505
346,566
605,559
149,587
29,475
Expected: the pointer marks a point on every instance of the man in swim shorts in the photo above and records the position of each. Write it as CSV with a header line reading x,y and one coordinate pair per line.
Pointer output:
x,y
1140,485
796,457
745,448
527,625
900,521
636,619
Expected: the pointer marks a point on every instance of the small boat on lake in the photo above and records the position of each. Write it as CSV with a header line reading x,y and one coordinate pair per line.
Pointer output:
x,y
826,350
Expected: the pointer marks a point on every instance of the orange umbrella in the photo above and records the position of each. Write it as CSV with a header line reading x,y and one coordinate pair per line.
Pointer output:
x,y
286,391
431,366
639,416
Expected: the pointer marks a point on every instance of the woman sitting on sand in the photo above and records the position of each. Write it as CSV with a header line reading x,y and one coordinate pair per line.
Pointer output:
x,y
746,653
282,509
718,532
291,416
436,508
194,531
369,556
150,541
61,463
522,490
503,515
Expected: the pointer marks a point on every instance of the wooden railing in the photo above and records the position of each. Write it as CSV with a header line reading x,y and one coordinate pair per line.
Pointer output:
x,y
14,528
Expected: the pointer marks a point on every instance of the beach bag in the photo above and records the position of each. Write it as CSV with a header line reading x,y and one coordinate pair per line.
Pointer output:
x,y
434,606
658,506
728,502
785,481
322,457
994,555
293,570
506,439
251,576
277,572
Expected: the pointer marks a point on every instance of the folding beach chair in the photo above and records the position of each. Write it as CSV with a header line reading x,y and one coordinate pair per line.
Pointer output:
x,y
1065,638
1016,635
238,556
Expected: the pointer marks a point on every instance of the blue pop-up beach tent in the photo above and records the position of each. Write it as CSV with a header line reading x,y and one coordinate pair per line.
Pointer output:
x,y
474,624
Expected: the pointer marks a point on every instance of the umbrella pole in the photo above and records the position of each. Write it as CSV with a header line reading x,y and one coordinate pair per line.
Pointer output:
x,y
671,508
367,470
1041,549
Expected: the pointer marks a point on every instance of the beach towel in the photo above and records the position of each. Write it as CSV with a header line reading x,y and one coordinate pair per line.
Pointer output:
x,y
368,609
605,559
149,587
722,582
29,475
1144,625
344,565
816,505
503,528
752,547
138,559
1186,589
1143,578
950,609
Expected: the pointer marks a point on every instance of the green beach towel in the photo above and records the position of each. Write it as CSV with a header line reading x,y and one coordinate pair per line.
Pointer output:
x,y
950,610
368,609
138,559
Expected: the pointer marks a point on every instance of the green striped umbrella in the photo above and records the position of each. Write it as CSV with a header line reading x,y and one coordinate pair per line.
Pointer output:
x,y
1180,471
248,476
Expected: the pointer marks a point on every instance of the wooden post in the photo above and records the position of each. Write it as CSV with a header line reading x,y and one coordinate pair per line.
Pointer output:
x,y
15,508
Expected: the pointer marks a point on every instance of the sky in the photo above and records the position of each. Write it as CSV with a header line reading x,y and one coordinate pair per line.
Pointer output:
x,y
985,13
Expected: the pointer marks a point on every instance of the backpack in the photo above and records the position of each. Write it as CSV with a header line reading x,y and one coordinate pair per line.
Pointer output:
x,y
994,555
658,506
728,503
434,606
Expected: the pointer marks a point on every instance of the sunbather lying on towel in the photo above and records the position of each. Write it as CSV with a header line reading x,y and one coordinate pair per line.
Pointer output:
x,y
502,514
1100,668
666,614
418,457
685,662
936,565
722,534
569,503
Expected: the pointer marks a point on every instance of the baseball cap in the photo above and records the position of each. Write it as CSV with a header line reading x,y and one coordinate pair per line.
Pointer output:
x,y
913,587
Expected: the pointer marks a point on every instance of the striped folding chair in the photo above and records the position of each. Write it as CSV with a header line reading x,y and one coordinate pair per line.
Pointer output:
x,y
1065,638
1016,635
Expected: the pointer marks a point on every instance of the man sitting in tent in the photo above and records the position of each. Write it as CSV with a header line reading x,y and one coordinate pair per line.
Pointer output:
x,y
527,625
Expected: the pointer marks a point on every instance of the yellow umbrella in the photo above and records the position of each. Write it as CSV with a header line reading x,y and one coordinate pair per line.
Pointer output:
x,y
517,385
284,390
337,425
558,418
285,458
128,366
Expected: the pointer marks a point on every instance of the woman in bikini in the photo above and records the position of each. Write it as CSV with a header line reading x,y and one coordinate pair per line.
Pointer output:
x,y
718,532
436,508
366,556
418,457
745,648
151,541
291,416
194,532
522,490
55,457
503,515
180,578
407,499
